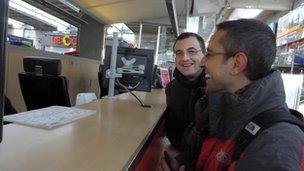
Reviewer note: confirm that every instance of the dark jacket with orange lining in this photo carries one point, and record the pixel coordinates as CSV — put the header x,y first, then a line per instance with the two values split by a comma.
x,y
279,147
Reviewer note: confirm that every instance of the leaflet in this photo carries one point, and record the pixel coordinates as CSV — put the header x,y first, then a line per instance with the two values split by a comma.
x,y
50,117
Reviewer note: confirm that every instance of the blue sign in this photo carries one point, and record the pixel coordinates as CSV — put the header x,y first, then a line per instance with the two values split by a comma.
x,y
20,41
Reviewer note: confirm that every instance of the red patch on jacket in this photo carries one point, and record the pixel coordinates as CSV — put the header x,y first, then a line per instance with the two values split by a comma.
x,y
215,154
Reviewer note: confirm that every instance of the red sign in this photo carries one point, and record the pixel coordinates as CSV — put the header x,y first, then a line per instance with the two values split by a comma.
x,y
165,77
65,40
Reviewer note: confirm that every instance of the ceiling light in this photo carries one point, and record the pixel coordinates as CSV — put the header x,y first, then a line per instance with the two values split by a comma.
x,y
244,13
192,24
251,13
69,4
15,24
38,14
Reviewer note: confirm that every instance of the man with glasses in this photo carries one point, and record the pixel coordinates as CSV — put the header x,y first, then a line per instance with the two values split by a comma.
x,y
241,87
185,89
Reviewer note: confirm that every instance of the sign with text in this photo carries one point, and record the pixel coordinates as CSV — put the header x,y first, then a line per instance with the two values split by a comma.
x,y
291,26
15,40
66,40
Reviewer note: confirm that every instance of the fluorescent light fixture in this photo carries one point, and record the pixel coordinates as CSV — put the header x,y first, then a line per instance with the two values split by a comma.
x,y
38,14
69,4
251,13
15,24
192,24
244,13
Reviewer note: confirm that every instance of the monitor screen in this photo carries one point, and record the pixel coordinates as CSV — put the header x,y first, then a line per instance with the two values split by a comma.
x,y
135,65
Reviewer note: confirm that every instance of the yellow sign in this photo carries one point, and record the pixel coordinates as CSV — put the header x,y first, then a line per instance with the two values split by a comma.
x,y
65,40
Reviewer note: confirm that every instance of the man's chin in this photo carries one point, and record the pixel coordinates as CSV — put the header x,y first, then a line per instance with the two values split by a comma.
x,y
191,73
188,74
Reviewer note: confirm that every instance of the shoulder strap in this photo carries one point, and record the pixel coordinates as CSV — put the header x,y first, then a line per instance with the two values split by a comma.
x,y
297,114
261,122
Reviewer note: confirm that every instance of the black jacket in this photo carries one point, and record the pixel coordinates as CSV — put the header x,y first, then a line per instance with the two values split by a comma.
x,y
182,95
279,147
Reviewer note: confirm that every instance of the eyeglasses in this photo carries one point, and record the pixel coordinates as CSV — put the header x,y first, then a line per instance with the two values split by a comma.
x,y
190,52
209,54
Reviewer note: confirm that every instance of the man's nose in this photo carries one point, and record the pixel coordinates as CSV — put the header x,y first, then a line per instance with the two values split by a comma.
x,y
203,62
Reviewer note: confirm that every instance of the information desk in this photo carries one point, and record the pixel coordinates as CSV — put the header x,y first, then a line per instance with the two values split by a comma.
x,y
109,140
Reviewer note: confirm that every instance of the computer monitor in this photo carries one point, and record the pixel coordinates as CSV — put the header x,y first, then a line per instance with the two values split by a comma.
x,y
135,65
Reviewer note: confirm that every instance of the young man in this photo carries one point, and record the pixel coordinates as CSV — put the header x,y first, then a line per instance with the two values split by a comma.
x,y
238,73
185,89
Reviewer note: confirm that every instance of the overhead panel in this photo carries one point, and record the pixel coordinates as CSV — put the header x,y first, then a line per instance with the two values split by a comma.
x,y
97,3
280,5
126,11
148,28
39,25
57,9
160,21
117,11
203,7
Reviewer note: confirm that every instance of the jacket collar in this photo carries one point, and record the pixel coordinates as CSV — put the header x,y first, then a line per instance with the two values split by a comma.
x,y
230,111
198,82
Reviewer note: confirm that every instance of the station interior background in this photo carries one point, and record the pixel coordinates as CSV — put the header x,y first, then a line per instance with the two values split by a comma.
x,y
82,28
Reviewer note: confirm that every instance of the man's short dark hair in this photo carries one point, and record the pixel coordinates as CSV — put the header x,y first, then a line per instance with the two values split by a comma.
x,y
186,35
255,39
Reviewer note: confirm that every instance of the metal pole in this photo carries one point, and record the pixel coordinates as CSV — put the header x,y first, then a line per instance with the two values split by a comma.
x,y
139,36
3,26
173,16
187,13
292,62
157,45
113,65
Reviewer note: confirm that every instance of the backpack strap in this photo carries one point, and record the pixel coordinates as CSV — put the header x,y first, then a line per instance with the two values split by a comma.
x,y
297,114
261,122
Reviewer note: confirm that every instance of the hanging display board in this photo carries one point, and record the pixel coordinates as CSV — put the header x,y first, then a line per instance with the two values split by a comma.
x,y
291,26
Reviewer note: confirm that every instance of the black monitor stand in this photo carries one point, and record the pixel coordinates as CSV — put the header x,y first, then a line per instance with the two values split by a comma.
x,y
3,25
124,87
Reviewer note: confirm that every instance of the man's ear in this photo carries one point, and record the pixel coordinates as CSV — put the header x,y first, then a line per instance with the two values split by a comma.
x,y
239,63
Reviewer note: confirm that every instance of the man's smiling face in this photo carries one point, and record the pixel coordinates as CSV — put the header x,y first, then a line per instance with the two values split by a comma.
x,y
188,55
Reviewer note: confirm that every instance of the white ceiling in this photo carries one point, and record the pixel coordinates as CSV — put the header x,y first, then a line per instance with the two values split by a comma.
x,y
117,11
203,7
280,5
